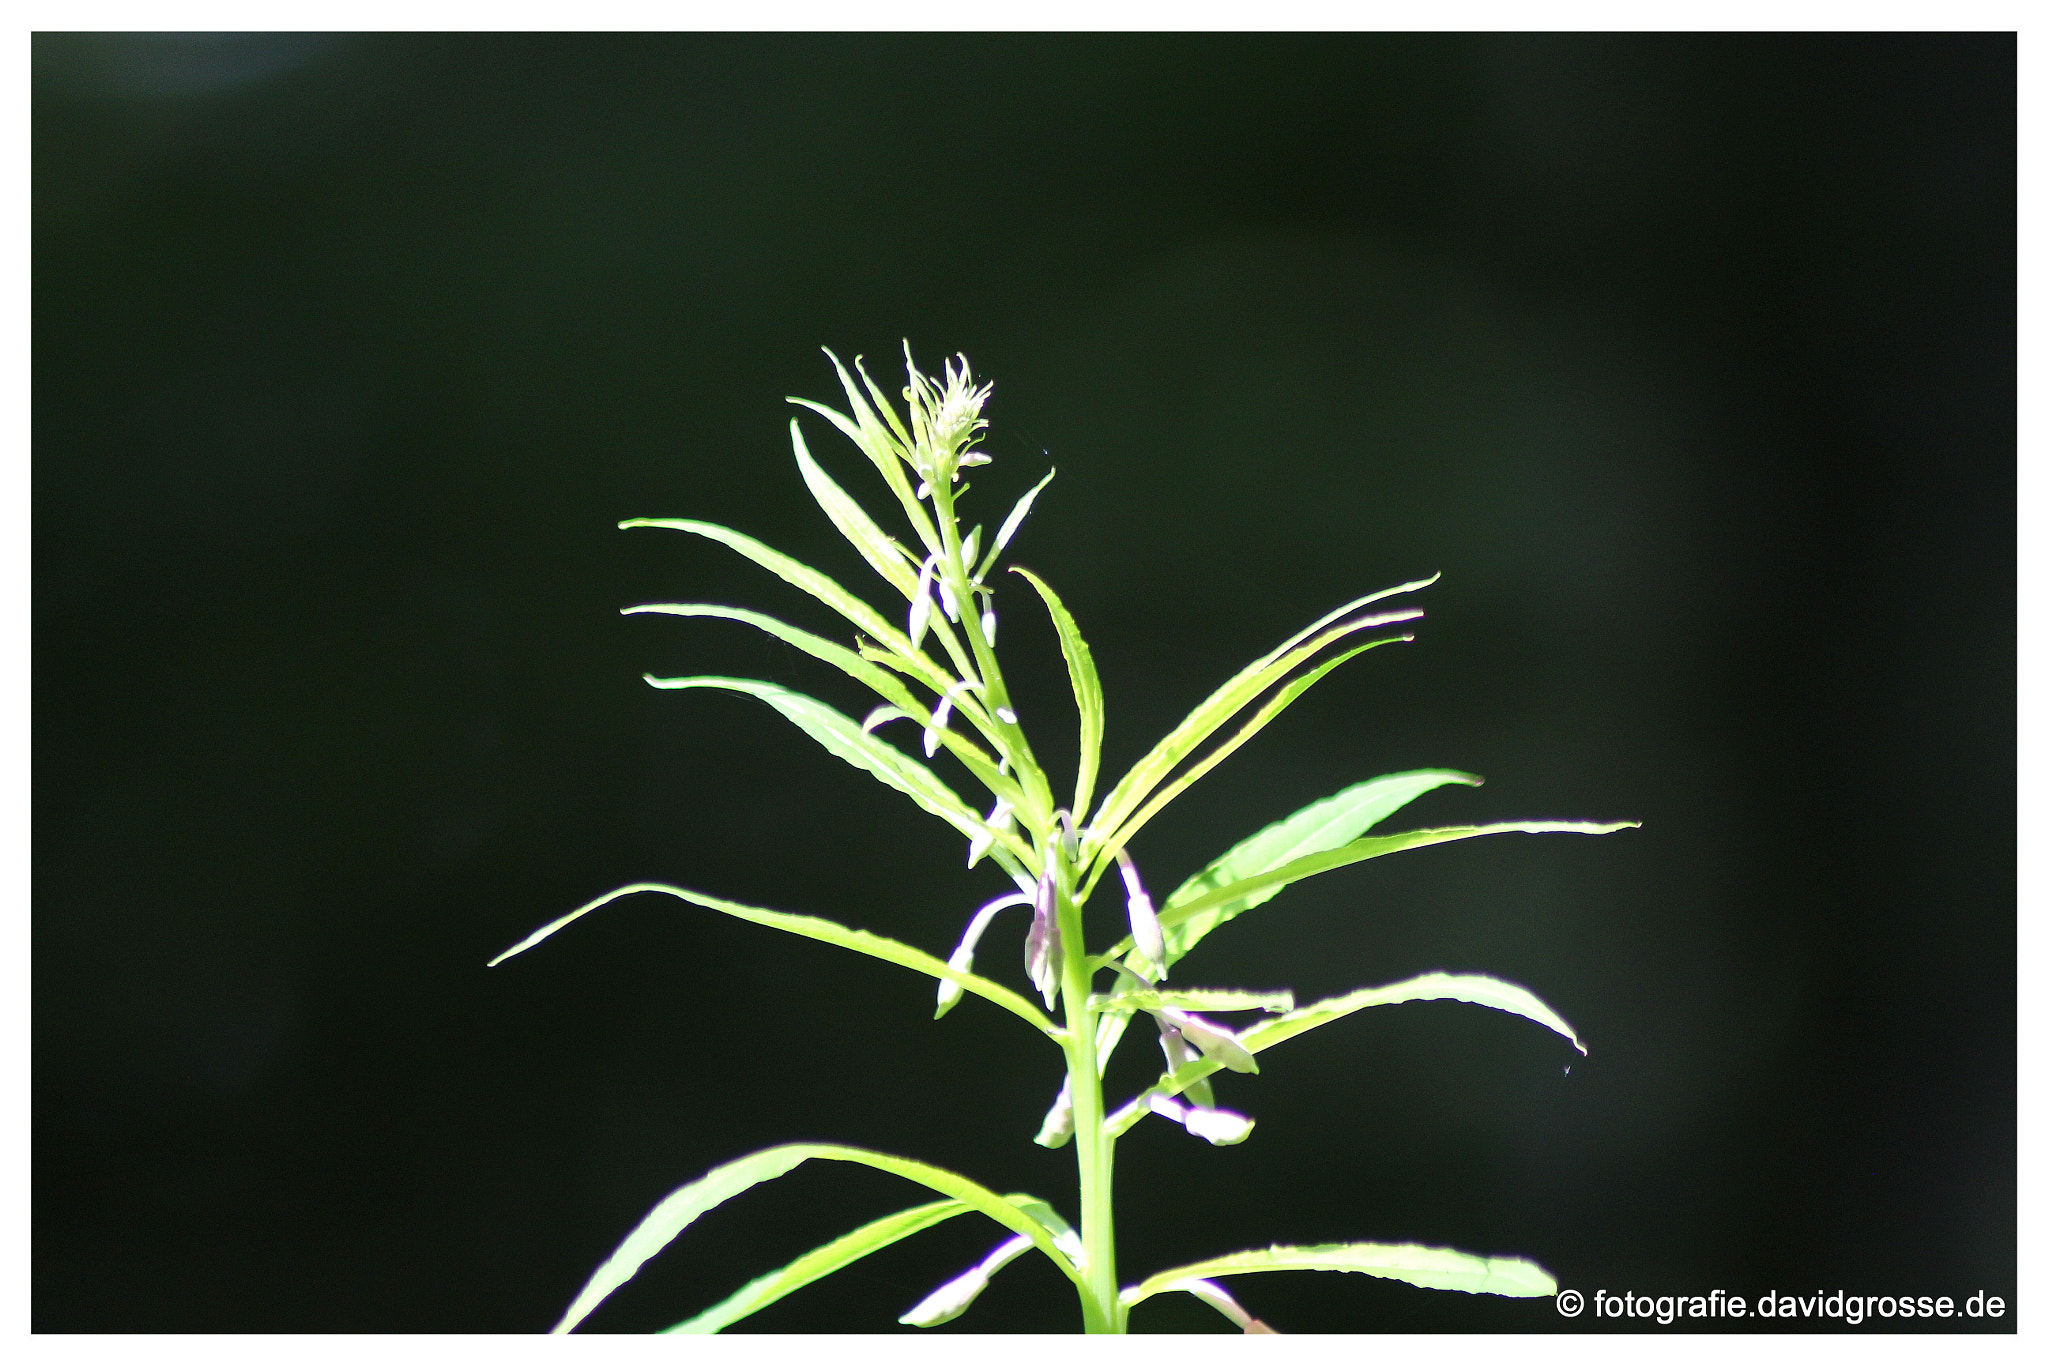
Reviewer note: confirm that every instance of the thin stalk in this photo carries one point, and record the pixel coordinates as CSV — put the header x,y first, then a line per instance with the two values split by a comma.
x,y
995,693
1094,1146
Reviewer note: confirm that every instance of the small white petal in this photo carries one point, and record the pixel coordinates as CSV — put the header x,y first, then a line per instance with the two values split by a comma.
x,y
948,601
953,1298
1058,1127
1213,1294
1000,817
921,607
939,718
1167,1109
988,626
1145,933
1006,715
1220,1127
949,1300
923,489
969,546
949,991
963,955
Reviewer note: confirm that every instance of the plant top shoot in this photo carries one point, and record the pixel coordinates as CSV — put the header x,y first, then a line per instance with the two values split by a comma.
x,y
931,662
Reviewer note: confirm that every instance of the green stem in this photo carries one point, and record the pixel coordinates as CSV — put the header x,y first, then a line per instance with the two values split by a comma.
x,y
1094,1146
1029,774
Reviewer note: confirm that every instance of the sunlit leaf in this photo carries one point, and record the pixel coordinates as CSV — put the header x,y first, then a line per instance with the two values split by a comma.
x,y
1429,1267
1470,988
853,522
885,446
843,738
823,930
800,575
1010,525
1248,685
1245,889
818,647
682,1208
1273,1002
1087,689
1315,828
1261,718
815,1265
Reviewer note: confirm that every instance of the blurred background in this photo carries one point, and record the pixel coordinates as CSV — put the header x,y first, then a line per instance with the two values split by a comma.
x,y
1688,361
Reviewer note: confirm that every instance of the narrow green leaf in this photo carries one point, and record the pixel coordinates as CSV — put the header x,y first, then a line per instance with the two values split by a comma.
x,y
1087,689
1059,1229
1273,1002
823,930
1226,701
853,522
882,403
1429,1267
862,669
887,452
816,1265
1011,523
671,1216
1472,988
1279,702
848,427
817,646
1357,851
800,575
1315,828
842,737
682,1208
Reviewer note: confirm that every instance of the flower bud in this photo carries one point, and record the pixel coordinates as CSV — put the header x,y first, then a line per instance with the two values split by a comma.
x,y
1042,944
1218,1127
1145,931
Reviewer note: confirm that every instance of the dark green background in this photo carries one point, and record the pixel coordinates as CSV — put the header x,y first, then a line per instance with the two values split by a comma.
x,y
1688,361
